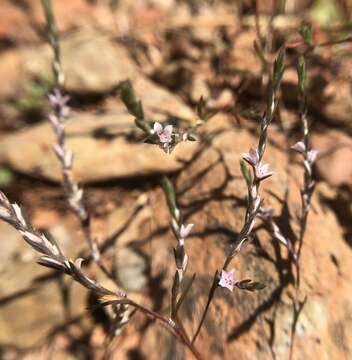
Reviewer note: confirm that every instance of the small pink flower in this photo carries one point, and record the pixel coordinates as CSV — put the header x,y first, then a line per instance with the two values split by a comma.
x,y
262,171
227,279
164,134
58,101
185,230
299,147
312,156
5,213
252,157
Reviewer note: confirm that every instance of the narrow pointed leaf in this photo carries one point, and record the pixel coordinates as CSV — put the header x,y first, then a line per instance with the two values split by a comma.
x,y
302,75
184,293
246,173
170,193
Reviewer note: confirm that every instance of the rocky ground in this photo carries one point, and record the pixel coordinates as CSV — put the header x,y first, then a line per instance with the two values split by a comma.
x,y
174,52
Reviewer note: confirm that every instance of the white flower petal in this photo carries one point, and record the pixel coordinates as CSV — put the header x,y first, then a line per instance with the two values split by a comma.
x,y
158,128
185,230
299,146
168,130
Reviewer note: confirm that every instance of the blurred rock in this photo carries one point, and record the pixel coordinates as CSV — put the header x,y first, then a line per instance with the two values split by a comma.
x,y
92,62
86,13
15,26
334,164
199,88
163,4
332,98
105,146
224,100
40,306
11,245
23,20
131,269
125,226
291,6
243,57
11,64
31,309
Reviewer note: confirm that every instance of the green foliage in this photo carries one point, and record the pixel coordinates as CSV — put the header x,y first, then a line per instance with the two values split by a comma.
x,y
184,293
246,173
6,176
128,97
327,12
202,112
250,285
252,114
170,194
302,74
34,95
306,32
279,66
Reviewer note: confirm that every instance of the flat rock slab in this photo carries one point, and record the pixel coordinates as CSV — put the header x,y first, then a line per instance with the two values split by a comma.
x,y
91,61
103,149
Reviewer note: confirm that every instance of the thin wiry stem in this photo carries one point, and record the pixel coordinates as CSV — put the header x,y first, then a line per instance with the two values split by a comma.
x,y
309,157
60,112
181,232
254,157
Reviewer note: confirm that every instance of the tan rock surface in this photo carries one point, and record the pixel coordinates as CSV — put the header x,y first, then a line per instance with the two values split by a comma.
x,y
335,163
103,150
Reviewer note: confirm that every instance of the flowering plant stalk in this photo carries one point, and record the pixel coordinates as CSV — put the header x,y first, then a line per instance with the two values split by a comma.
x,y
60,113
181,232
156,135
295,248
309,157
260,171
74,193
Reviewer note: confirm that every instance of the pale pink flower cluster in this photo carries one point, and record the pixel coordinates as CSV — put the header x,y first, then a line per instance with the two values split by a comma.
x,y
59,103
185,230
164,134
312,155
261,170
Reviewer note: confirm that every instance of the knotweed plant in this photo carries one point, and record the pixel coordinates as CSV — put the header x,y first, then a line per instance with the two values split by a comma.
x,y
254,169
167,138
309,156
